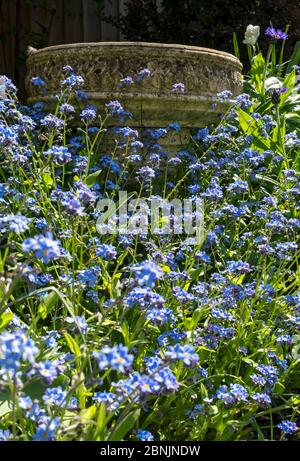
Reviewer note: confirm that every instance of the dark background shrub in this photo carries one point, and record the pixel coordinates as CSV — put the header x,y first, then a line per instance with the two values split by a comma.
x,y
208,23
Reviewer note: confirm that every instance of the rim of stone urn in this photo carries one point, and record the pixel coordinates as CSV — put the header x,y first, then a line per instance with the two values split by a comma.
x,y
169,48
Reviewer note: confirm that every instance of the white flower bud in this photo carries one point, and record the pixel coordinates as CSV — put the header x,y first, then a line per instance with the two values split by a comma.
x,y
251,35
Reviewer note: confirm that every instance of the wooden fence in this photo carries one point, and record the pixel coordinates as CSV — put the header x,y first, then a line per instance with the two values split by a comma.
x,y
41,23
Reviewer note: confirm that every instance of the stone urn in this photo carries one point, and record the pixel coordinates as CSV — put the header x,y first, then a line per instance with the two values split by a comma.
x,y
204,73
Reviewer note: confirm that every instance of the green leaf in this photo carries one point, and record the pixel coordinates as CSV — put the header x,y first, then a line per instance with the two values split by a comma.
x,y
87,415
257,71
47,304
273,55
196,273
295,58
279,388
236,45
101,418
165,268
72,344
47,178
289,82
125,426
188,323
238,280
246,121
92,178
198,314
125,331
5,407
213,410
251,128
225,432
5,318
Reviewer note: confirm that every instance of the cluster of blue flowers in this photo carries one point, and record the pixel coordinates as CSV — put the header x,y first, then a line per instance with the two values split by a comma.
x,y
115,358
182,338
44,247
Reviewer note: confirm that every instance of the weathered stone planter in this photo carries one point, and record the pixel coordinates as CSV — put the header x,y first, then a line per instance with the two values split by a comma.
x,y
204,72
